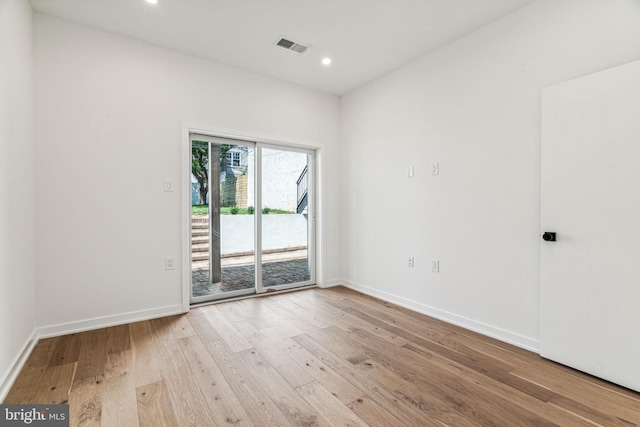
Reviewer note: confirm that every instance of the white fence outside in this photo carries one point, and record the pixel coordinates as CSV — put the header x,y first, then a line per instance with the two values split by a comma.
x,y
280,231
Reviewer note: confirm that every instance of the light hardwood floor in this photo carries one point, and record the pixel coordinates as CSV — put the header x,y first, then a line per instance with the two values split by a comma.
x,y
328,357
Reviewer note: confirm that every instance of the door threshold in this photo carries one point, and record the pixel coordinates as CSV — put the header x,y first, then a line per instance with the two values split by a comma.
x,y
272,292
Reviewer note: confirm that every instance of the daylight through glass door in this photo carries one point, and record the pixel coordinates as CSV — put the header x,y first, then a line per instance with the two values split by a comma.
x,y
223,238
246,196
287,218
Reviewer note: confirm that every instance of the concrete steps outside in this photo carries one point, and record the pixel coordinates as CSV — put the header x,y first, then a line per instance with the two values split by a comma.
x,y
200,248
199,238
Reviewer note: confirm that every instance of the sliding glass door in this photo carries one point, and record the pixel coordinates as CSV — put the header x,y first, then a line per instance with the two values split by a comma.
x,y
286,204
252,218
223,230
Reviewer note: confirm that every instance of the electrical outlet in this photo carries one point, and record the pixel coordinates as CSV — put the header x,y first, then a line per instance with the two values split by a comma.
x,y
435,265
169,263
410,262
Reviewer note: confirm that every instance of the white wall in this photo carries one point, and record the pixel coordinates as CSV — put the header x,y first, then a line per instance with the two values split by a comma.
x,y
109,113
17,224
474,107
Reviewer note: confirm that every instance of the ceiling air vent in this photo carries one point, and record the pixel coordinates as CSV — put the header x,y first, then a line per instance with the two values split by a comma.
x,y
293,46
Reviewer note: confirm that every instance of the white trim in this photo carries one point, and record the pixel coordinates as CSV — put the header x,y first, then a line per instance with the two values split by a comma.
x,y
464,322
320,253
212,139
257,217
204,131
17,365
312,209
333,282
186,219
108,321
285,147
210,214
236,135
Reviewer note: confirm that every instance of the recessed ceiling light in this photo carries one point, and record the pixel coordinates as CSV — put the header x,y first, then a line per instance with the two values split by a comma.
x,y
152,1
326,61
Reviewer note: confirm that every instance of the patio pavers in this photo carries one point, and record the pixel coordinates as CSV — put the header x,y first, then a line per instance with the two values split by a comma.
x,y
243,276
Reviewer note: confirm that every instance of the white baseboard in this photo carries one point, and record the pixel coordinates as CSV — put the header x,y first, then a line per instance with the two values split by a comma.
x,y
107,321
17,365
500,334
331,283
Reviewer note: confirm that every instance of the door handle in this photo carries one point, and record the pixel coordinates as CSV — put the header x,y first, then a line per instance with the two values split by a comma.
x,y
549,236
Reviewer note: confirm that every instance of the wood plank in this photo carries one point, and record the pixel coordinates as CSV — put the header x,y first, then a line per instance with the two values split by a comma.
x,y
66,351
468,399
289,317
519,396
594,402
146,363
268,319
119,407
318,357
326,403
344,320
85,402
474,360
232,311
161,330
181,326
29,378
272,351
386,317
227,331
339,387
154,406
203,327
290,403
257,311
373,413
118,339
54,385
393,395
225,406
93,354
446,399
287,303
190,406
260,408
394,314
40,357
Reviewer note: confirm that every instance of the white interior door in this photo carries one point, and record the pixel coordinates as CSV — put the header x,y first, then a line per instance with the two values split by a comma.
x,y
590,276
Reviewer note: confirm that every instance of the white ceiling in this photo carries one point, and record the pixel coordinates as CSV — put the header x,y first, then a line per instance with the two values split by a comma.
x,y
365,38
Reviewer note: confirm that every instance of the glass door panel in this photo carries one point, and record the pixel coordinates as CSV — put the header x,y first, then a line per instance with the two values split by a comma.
x,y
246,196
223,230
287,216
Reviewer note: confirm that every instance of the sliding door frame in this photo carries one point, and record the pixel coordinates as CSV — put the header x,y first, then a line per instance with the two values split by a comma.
x,y
311,228
258,144
218,140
